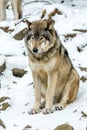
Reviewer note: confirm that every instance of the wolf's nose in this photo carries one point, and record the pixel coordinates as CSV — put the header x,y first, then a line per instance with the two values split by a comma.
x,y
35,50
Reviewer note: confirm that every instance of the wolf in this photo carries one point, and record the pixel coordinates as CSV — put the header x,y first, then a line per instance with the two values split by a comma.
x,y
17,9
55,79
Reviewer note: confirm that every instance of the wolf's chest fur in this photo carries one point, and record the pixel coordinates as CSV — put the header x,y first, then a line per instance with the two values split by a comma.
x,y
42,65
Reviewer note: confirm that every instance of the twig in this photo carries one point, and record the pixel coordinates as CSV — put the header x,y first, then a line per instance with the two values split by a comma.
x,y
70,35
31,83
55,11
43,13
40,1
22,20
80,30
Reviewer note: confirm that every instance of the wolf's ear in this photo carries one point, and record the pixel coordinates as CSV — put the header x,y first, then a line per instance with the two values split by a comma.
x,y
28,23
50,23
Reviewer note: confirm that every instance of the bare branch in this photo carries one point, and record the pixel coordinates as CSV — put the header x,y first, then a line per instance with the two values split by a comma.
x,y
80,30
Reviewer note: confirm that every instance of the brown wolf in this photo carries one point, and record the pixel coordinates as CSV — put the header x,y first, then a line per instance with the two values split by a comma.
x,y
17,9
54,76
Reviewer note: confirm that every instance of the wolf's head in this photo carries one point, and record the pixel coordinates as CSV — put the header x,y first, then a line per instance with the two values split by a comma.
x,y
41,36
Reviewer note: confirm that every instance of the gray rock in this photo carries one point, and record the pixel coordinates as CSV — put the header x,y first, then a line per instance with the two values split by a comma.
x,y
2,124
2,67
20,35
64,127
18,72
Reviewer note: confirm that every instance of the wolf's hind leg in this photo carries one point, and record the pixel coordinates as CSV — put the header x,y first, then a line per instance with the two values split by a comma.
x,y
2,10
17,9
70,91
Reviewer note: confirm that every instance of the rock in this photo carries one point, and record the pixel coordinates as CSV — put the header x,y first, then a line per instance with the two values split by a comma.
x,y
7,29
18,72
83,79
27,127
4,103
83,114
20,35
64,127
2,65
79,49
2,99
83,69
2,124
4,106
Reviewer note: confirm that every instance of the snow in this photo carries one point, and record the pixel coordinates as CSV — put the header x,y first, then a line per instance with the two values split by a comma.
x,y
21,90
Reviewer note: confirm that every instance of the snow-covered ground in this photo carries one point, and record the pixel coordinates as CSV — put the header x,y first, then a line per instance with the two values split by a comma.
x,y
19,92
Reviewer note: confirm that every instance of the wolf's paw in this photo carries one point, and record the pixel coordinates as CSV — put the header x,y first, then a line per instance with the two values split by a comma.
x,y
48,111
59,106
34,111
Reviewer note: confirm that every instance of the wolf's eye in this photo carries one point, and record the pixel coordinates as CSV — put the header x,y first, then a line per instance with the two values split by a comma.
x,y
31,37
51,31
41,38
46,36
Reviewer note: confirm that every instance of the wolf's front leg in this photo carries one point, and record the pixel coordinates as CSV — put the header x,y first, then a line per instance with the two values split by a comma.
x,y
37,104
52,80
70,91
